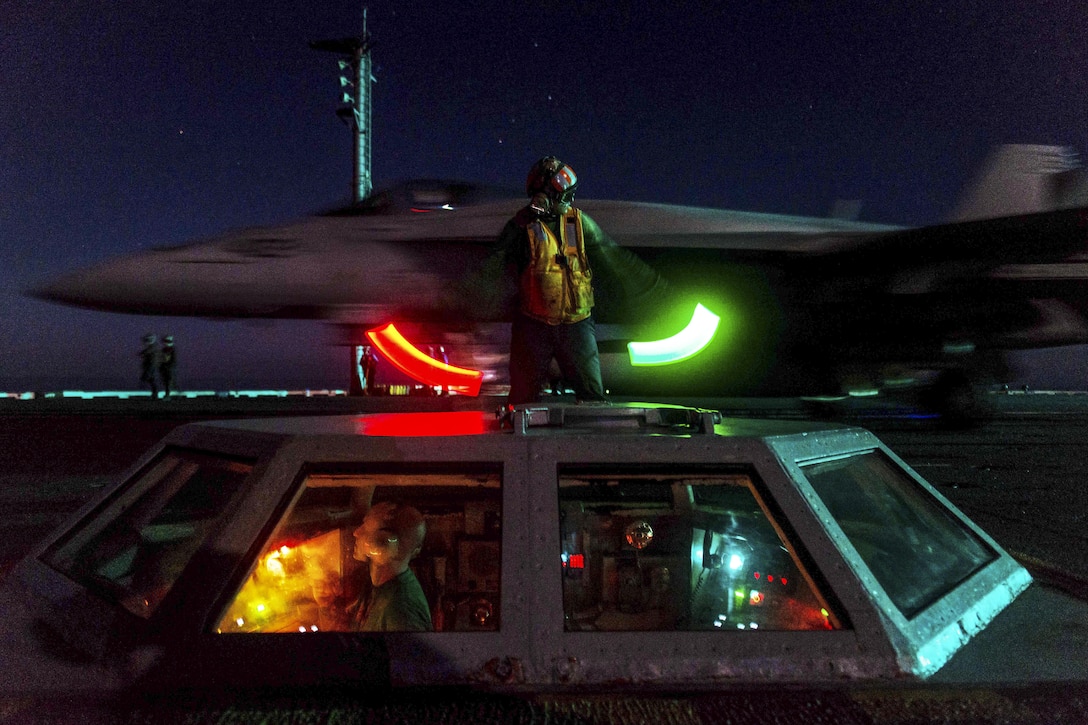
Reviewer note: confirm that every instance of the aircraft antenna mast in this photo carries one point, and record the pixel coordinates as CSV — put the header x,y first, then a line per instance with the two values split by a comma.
x,y
355,80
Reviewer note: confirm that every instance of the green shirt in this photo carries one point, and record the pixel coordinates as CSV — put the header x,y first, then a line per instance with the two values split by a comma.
x,y
399,605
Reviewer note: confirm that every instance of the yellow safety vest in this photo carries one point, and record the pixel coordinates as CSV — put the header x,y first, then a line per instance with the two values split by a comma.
x,y
557,284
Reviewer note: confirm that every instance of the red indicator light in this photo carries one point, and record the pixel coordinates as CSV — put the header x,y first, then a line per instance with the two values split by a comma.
x,y
577,561
783,580
770,577
413,363
757,575
457,423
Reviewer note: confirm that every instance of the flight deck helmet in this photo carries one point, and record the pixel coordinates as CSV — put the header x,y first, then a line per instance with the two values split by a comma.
x,y
551,185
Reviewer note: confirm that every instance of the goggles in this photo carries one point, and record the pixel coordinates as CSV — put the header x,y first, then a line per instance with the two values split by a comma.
x,y
564,179
381,542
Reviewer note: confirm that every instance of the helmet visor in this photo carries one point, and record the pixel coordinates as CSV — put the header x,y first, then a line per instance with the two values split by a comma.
x,y
564,179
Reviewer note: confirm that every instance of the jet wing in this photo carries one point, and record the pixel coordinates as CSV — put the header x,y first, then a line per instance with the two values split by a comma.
x,y
800,299
924,294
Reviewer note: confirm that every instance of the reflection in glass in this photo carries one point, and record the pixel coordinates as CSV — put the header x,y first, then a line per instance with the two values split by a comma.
x,y
674,552
914,546
135,548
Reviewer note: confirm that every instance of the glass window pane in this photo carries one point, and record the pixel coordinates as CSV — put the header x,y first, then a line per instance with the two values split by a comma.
x,y
135,548
914,546
672,552
412,551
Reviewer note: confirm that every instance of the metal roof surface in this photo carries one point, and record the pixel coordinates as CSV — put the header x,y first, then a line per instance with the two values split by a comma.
x,y
795,471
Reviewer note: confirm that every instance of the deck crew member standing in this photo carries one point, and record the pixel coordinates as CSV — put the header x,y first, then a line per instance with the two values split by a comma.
x,y
554,248
149,364
168,366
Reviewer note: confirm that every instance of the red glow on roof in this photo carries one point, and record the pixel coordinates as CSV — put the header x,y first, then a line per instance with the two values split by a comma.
x,y
413,363
459,423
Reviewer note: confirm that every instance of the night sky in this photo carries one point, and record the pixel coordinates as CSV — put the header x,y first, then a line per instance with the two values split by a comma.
x,y
128,125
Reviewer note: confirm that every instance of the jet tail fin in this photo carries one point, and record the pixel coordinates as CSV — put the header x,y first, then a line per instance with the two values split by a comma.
x,y
1023,179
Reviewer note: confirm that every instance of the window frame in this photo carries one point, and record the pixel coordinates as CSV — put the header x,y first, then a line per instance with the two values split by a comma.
x,y
493,470
91,526
745,476
906,486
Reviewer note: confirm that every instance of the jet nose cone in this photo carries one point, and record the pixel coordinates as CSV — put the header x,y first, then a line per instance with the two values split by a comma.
x,y
68,289
159,283
102,287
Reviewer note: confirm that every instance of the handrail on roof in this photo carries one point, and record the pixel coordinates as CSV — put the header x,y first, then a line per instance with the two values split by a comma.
x,y
646,417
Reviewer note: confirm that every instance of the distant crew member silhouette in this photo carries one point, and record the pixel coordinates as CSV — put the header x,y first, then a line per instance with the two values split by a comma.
x,y
358,380
168,364
149,364
369,366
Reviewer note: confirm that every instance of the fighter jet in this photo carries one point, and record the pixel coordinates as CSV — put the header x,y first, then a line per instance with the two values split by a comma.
x,y
795,305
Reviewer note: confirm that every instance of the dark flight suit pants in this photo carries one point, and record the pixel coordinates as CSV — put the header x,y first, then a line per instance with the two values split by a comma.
x,y
533,344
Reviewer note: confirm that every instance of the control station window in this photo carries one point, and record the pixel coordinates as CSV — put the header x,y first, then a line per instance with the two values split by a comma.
x,y
134,548
914,545
647,552
404,551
